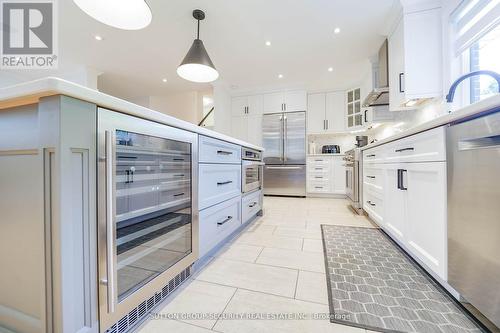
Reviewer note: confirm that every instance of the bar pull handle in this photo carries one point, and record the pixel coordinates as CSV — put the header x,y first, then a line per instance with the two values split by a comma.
x,y
492,141
371,177
224,183
179,194
401,176
253,204
224,152
371,155
110,225
229,218
404,149
285,137
401,82
370,203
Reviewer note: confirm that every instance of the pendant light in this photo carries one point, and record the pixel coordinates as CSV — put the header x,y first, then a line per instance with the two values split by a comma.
x,y
197,66
121,14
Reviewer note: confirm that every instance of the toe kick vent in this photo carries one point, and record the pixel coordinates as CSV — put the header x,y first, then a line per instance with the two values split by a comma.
x,y
136,315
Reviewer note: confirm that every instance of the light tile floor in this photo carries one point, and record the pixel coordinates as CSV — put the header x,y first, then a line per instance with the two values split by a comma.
x,y
275,266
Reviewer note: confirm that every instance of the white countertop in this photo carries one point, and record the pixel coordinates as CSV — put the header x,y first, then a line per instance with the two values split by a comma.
x,y
319,154
469,111
31,92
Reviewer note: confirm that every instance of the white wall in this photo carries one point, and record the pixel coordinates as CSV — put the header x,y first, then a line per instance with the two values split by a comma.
x,y
187,106
222,115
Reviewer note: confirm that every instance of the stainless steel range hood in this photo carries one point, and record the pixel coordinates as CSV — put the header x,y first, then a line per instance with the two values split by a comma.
x,y
380,94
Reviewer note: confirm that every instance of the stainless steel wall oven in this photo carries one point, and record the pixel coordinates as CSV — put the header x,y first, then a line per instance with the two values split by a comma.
x,y
147,210
252,172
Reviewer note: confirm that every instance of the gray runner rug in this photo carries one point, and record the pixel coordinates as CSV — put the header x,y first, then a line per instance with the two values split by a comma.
x,y
374,284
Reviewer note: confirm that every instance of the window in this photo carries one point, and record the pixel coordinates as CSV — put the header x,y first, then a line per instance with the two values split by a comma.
x,y
484,54
476,43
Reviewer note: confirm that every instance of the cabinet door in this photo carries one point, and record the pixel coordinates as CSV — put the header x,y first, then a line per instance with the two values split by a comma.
x,y
316,113
274,102
396,68
426,233
239,128
255,105
395,203
335,111
254,130
239,106
338,177
295,101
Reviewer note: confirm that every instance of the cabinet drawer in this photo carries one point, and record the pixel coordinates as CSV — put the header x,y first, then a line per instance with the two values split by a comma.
x,y
428,146
250,205
373,155
217,151
319,162
318,186
373,179
374,207
217,223
318,176
217,183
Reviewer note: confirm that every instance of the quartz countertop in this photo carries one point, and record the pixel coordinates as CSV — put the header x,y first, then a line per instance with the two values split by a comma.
x,y
31,92
471,111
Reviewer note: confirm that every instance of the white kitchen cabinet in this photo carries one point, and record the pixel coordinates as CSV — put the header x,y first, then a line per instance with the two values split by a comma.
x,y
335,111
326,112
354,115
395,199
415,58
326,175
246,120
316,113
426,214
285,101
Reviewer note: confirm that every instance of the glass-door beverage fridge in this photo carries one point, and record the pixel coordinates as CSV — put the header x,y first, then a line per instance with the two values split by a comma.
x,y
147,214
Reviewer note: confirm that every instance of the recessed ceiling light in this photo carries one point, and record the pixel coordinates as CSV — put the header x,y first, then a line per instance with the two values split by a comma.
x,y
280,76
337,30
164,80
268,43
127,15
330,69
97,37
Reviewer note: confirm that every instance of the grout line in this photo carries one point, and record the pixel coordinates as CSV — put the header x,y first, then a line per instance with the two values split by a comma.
x,y
302,247
296,284
225,307
191,324
261,250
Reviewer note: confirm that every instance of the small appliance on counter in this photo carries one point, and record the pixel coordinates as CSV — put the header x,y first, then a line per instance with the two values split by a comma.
x,y
361,140
330,149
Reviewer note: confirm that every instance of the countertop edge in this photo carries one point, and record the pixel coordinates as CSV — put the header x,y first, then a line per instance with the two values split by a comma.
x,y
30,92
472,110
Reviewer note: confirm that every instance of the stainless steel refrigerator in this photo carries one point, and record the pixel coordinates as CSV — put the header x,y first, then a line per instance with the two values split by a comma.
x,y
284,140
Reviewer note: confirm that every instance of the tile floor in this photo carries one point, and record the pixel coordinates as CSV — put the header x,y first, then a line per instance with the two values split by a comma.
x,y
274,266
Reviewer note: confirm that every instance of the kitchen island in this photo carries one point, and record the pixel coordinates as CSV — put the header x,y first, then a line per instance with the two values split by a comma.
x,y
106,206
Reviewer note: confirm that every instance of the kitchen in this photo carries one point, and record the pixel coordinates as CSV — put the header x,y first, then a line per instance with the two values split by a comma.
x,y
316,167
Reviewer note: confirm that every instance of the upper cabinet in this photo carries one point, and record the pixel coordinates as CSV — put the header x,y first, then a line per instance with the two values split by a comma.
x,y
285,101
354,113
415,58
246,120
326,112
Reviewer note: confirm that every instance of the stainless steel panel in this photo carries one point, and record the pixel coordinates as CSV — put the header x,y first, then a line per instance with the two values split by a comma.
x,y
294,138
285,180
473,155
272,138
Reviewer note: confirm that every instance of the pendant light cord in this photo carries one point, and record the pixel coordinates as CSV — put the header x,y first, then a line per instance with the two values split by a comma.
x,y
198,32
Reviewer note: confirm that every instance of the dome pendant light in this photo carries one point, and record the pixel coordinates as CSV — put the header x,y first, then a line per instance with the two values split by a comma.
x,y
121,14
197,66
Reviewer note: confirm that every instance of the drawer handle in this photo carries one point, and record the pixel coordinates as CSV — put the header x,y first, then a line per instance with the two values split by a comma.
x,y
178,159
371,155
252,205
318,187
229,218
319,160
370,203
224,183
372,177
318,177
404,149
224,152
318,168
179,175
179,194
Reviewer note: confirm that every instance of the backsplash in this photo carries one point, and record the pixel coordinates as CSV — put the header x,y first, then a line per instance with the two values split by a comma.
x,y
345,141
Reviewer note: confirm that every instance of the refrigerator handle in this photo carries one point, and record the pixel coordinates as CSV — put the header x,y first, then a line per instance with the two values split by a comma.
x,y
285,136
281,138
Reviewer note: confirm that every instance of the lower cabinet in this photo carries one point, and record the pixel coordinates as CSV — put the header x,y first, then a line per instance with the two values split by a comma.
x,y
251,204
218,222
326,175
408,200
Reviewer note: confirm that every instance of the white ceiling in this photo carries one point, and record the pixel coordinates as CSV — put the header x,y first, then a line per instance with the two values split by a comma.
x,y
234,32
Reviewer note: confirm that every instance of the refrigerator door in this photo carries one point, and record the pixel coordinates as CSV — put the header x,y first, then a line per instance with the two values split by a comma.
x,y
285,180
272,135
294,138
473,159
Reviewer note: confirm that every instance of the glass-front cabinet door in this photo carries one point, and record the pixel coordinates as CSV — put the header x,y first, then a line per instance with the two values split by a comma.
x,y
146,209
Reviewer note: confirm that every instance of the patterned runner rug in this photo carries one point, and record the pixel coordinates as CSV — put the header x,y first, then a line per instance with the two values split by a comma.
x,y
375,285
